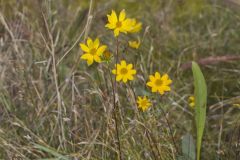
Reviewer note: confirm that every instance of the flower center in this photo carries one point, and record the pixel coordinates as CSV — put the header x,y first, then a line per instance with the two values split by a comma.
x,y
93,51
158,82
124,71
144,103
119,24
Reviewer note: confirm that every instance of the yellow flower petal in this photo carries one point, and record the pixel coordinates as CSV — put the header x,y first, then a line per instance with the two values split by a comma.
x,y
151,77
167,82
164,77
154,89
96,43
130,77
97,58
126,25
119,77
136,28
125,79
150,84
161,92
114,71
123,63
157,75
129,66
118,66
113,18
122,15
116,32
101,49
90,61
110,25
133,71
84,47
89,42
86,56
166,88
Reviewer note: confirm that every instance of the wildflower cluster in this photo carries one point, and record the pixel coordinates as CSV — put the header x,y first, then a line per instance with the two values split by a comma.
x,y
123,71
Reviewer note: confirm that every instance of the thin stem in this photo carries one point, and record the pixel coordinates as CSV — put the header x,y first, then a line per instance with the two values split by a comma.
x,y
114,111
115,115
114,89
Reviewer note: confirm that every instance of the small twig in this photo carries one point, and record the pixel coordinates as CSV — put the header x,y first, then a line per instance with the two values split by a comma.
x,y
211,60
114,90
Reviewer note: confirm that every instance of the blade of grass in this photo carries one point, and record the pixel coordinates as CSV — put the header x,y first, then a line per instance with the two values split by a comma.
x,y
200,94
51,151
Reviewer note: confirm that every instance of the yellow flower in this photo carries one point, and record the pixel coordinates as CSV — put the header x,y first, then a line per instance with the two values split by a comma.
x,y
134,44
92,51
143,103
135,26
124,71
121,24
159,83
191,101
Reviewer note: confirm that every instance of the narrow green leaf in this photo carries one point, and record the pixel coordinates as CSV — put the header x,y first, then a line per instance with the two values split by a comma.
x,y
200,94
188,147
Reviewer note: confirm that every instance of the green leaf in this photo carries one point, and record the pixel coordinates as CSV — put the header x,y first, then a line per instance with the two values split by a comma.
x,y
51,151
188,147
200,94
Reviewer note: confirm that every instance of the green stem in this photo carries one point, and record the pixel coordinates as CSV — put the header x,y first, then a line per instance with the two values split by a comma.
x,y
115,104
